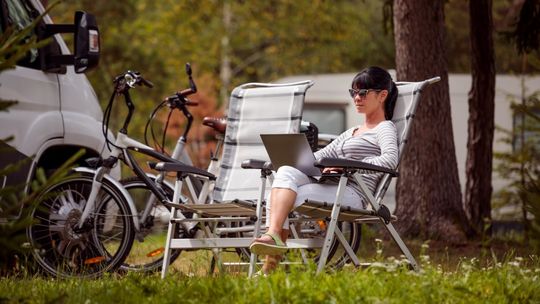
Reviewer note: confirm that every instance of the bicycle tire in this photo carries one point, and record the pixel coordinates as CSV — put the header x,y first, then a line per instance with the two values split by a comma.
x,y
63,249
335,260
148,250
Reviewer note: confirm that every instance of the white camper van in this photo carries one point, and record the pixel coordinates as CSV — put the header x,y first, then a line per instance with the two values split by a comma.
x,y
57,111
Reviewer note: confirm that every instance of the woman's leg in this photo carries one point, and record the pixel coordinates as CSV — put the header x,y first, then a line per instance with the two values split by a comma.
x,y
282,202
272,261
323,192
282,197
281,205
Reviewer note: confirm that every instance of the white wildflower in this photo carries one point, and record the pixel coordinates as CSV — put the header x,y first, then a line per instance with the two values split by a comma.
x,y
515,264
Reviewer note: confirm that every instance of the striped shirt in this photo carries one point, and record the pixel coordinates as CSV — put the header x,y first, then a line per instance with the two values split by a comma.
x,y
377,146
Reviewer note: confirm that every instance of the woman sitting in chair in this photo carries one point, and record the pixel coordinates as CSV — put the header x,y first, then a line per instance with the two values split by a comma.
x,y
375,142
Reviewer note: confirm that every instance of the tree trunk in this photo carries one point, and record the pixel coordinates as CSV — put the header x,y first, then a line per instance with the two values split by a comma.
x,y
428,192
481,117
225,68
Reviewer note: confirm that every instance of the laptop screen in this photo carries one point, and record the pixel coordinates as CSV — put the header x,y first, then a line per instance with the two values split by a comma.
x,y
290,150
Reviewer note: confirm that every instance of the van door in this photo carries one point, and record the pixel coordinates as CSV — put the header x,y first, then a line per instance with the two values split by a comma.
x,y
36,116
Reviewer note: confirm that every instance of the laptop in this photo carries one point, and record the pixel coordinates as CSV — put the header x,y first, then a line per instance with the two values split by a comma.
x,y
290,150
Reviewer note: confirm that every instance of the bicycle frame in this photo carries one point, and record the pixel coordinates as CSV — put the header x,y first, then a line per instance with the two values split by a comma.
x,y
121,150
180,154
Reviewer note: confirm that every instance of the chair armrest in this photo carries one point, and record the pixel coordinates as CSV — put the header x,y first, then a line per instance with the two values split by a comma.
x,y
352,164
256,164
252,164
264,166
180,168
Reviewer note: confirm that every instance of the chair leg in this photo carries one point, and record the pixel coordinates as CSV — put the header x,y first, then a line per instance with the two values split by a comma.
x,y
402,246
216,252
167,256
375,205
333,224
347,247
258,223
297,236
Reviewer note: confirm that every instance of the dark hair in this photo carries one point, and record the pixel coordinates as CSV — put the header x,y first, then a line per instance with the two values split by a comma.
x,y
378,78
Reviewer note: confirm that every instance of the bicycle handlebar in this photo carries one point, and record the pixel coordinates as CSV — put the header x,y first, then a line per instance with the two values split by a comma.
x,y
176,101
130,79
179,99
192,86
147,83
186,92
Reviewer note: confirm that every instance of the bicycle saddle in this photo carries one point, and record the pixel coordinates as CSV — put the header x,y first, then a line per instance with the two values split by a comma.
x,y
219,124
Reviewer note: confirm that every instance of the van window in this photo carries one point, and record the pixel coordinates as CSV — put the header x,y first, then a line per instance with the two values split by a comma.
x,y
19,16
328,119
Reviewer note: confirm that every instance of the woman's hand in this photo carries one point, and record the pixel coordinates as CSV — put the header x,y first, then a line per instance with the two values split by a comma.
x,y
332,170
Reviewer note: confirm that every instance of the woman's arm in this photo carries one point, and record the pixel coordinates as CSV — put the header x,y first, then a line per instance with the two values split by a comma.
x,y
330,149
387,140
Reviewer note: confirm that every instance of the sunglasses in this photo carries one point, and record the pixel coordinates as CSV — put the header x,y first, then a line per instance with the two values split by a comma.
x,y
362,92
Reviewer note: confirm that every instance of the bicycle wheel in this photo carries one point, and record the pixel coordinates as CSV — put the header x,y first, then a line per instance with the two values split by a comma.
x,y
337,257
148,249
64,249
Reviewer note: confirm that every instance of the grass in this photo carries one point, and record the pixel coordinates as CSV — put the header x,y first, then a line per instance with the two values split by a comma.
x,y
515,280
498,271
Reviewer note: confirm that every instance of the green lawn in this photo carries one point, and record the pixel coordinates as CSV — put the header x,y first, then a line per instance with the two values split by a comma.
x,y
516,280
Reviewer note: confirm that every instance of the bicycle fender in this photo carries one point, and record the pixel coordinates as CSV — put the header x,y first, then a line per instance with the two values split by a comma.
x,y
119,187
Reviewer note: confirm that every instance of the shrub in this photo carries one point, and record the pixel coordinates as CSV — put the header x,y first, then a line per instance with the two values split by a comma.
x,y
522,165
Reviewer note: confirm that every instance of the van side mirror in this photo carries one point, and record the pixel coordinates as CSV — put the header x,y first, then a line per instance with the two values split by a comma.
x,y
86,42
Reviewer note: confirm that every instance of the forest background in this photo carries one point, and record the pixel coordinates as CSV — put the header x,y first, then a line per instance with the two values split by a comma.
x,y
234,42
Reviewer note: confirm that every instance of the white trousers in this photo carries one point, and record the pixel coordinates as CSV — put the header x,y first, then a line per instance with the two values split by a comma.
x,y
291,178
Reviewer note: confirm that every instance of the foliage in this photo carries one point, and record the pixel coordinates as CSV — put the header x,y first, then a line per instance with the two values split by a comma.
x,y
522,165
267,41
15,44
19,201
526,33
513,281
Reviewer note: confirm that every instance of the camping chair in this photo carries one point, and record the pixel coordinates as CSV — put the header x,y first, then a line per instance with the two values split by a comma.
x,y
408,97
254,108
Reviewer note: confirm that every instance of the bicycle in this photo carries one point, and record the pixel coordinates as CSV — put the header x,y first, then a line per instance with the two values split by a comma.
x,y
86,224
147,252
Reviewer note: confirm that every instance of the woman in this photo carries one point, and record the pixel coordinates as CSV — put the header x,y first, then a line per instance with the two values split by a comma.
x,y
375,142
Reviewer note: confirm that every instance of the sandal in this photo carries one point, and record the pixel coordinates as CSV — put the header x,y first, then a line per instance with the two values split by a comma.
x,y
273,246
259,274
